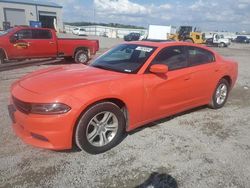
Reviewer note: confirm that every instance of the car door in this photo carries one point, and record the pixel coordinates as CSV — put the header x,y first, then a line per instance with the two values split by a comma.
x,y
166,94
42,43
33,43
20,47
204,73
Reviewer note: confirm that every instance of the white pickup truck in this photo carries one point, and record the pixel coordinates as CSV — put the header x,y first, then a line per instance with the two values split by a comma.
x,y
218,40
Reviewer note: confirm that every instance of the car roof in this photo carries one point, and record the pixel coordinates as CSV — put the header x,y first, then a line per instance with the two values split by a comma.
x,y
168,43
172,43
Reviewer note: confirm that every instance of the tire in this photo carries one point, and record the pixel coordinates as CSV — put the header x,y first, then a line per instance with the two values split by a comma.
x,y
222,45
189,40
220,94
81,56
103,122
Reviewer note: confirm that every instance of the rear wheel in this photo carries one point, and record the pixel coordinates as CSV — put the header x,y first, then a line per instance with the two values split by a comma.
x,y
220,94
100,128
81,56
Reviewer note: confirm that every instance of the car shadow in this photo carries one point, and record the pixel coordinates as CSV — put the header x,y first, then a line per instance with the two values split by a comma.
x,y
163,120
151,124
157,180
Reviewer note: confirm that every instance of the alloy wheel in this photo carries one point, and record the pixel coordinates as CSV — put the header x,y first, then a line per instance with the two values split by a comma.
x,y
221,93
102,128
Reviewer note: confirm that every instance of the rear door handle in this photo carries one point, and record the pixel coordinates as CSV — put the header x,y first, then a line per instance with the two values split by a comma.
x,y
187,78
51,42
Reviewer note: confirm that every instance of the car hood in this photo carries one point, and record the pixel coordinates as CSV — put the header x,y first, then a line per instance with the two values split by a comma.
x,y
66,78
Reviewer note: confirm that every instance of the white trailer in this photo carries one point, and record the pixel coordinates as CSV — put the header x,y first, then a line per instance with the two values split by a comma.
x,y
160,32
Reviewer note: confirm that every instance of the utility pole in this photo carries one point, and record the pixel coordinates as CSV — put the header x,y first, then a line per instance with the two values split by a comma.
x,y
94,16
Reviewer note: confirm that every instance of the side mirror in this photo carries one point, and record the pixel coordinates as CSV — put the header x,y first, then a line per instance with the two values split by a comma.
x,y
159,69
13,38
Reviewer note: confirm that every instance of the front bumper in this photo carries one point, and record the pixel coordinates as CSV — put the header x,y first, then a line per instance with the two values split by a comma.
x,y
45,131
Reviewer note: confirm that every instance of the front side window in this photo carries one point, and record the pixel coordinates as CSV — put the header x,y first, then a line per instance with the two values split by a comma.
x,y
174,57
127,58
198,56
24,34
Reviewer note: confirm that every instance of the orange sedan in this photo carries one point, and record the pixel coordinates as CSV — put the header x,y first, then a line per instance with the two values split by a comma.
x,y
128,86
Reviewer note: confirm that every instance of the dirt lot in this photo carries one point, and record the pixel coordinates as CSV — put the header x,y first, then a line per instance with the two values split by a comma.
x,y
200,148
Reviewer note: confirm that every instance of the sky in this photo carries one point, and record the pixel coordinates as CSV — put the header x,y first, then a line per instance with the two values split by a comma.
x,y
209,15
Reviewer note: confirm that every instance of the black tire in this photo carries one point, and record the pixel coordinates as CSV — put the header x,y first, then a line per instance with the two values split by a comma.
x,y
222,45
214,101
84,125
81,56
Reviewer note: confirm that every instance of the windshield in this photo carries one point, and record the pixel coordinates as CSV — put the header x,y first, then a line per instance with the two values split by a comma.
x,y
127,58
5,32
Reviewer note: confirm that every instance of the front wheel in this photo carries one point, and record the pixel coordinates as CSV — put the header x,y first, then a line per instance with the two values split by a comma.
x,y
81,56
100,128
222,45
220,94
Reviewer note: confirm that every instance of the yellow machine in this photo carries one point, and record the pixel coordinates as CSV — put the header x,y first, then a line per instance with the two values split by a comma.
x,y
186,33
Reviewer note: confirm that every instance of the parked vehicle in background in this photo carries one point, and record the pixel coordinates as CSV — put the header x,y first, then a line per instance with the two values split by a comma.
x,y
29,42
160,32
188,34
93,107
103,34
82,32
132,37
242,39
218,40
75,31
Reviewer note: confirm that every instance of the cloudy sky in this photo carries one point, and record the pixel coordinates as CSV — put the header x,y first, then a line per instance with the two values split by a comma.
x,y
230,15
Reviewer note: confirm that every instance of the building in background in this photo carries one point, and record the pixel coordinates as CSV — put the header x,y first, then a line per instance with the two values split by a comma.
x,y
30,12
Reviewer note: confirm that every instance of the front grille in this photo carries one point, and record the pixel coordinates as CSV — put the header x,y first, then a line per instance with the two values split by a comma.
x,y
22,106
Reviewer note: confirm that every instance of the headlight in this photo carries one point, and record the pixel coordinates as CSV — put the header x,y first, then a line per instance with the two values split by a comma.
x,y
49,108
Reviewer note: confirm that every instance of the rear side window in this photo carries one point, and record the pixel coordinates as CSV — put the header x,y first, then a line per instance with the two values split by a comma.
x,y
198,56
41,34
174,57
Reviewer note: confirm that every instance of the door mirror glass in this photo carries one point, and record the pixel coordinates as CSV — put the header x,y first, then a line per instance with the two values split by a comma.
x,y
159,69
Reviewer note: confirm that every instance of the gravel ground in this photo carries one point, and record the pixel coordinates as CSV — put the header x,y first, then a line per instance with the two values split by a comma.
x,y
199,148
